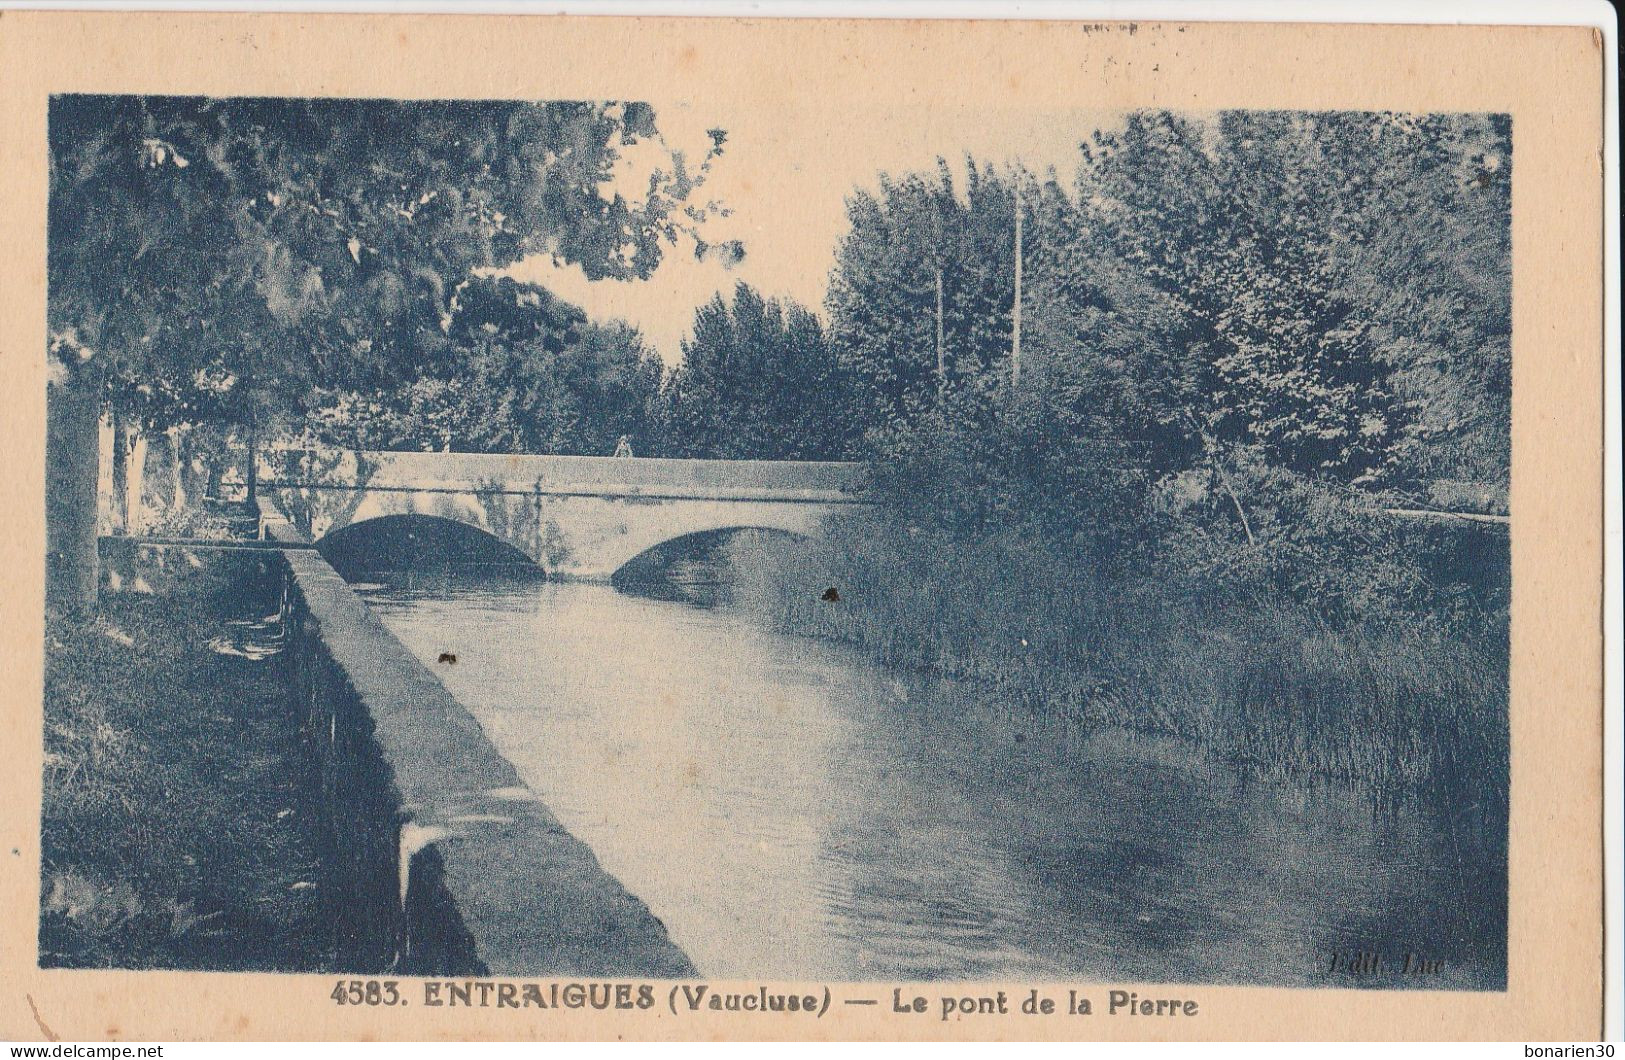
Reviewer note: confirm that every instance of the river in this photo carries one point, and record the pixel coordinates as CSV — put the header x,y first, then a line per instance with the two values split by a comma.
x,y
792,811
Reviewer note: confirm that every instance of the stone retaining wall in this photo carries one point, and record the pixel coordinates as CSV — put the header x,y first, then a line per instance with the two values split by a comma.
x,y
444,862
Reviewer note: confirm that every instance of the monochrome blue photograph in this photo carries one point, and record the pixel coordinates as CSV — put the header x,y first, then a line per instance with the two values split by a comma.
x,y
617,539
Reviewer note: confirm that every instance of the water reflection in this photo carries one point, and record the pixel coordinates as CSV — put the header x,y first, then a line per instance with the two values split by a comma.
x,y
791,811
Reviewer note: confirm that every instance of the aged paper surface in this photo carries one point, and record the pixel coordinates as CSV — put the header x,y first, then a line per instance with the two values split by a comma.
x,y
627,863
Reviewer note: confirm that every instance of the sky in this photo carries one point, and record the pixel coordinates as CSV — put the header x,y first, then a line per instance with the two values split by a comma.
x,y
787,168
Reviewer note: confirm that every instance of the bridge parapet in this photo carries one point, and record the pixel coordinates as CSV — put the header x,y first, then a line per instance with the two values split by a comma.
x,y
602,476
578,517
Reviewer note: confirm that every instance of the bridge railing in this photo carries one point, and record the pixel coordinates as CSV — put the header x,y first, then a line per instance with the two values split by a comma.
x,y
340,469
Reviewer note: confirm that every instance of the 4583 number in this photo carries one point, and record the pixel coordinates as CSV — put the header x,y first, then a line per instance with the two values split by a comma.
x,y
367,992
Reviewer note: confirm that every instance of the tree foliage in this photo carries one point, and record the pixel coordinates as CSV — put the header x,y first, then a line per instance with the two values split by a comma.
x,y
1308,267
217,249
1242,334
758,380
522,372
915,236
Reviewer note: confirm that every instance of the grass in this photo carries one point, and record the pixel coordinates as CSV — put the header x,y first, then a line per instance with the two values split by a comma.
x,y
177,829
1397,708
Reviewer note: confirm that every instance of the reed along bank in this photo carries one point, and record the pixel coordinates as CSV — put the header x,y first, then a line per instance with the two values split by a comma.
x,y
1340,682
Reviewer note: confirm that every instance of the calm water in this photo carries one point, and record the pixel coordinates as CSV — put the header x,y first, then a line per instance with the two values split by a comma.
x,y
790,810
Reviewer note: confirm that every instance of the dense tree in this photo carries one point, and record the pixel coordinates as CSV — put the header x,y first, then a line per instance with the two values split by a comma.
x,y
921,291
528,374
758,381
1236,329
614,381
517,314
521,371
1301,273
263,246
1328,287
1435,262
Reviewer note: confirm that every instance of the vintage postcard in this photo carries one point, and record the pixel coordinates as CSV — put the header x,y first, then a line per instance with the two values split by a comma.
x,y
535,527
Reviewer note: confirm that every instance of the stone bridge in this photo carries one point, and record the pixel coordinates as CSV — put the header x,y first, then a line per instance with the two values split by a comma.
x,y
579,517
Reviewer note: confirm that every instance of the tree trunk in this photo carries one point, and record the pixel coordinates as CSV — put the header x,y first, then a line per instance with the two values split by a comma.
x,y
121,473
175,438
1216,472
72,465
1216,464
193,470
135,481
252,474
104,473
213,484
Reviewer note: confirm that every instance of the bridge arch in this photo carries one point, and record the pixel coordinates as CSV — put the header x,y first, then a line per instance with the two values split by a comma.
x,y
414,541
694,544
637,529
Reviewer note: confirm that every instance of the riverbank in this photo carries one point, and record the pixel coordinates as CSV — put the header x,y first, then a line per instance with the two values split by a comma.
x,y
177,822
1396,709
